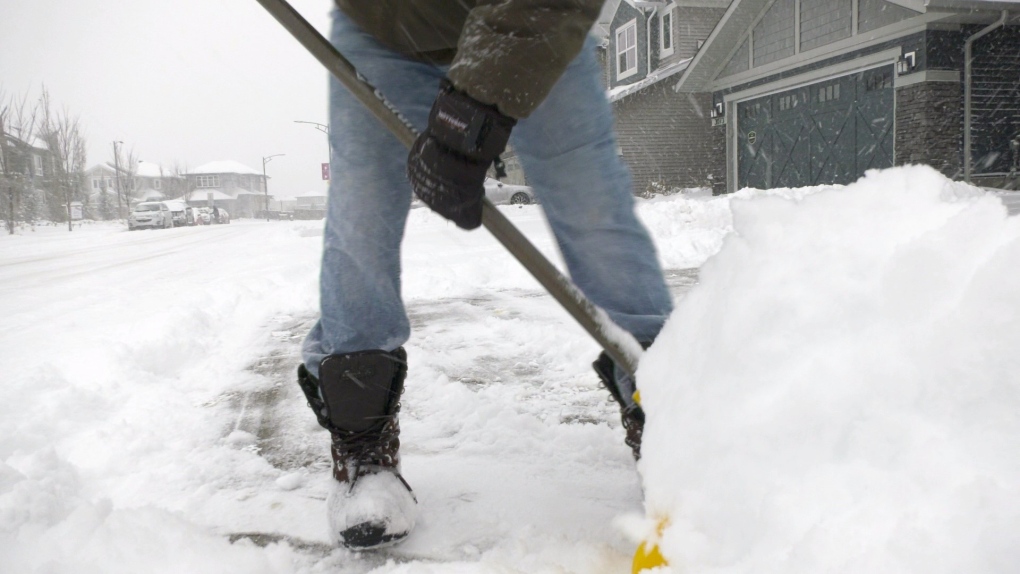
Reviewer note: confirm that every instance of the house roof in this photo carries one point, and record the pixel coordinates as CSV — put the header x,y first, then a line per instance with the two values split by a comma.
x,y
659,74
314,193
150,169
224,166
100,167
203,194
742,14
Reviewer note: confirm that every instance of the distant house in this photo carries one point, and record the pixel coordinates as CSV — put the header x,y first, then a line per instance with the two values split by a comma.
x,y
149,181
145,181
29,169
819,91
228,184
29,160
666,139
310,205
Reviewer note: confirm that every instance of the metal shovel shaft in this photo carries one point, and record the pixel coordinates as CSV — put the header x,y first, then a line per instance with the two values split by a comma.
x,y
618,344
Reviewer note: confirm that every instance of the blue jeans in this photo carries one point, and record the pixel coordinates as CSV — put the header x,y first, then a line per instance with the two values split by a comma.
x,y
568,151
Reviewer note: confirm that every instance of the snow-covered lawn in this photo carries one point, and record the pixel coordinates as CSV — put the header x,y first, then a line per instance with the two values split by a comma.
x,y
838,393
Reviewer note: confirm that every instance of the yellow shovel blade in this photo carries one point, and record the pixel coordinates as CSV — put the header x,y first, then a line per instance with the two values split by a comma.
x,y
648,555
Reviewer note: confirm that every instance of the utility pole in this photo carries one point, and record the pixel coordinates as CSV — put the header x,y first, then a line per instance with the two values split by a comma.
x,y
116,165
265,182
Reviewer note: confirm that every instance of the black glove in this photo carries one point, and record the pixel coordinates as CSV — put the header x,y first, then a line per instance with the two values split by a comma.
x,y
448,161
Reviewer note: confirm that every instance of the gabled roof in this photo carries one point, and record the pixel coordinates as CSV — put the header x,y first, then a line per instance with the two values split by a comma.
x,y
741,14
224,166
150,169
100,167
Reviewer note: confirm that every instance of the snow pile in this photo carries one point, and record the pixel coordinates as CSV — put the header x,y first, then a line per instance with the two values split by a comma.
x,y
840,391
689,228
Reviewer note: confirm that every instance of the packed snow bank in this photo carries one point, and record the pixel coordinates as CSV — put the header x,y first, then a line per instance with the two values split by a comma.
x,y
840,392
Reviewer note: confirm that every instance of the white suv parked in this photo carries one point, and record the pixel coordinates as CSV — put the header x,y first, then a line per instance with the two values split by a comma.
x,y
152,214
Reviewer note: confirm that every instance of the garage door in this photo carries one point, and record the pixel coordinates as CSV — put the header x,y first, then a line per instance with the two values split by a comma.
x,y
829,132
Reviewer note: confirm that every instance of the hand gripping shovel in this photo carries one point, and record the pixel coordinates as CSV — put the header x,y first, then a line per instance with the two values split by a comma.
x,y
618,344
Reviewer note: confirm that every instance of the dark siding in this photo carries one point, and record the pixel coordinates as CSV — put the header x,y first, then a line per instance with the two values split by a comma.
x,y
929,126
824,22
692,24
773,36
667,139
739,62
874,14
995,110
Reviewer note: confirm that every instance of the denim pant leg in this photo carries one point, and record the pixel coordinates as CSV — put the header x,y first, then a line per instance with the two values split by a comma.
x,y
568,150
369,198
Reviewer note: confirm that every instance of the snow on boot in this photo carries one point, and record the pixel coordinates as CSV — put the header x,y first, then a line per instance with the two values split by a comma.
x,y
621,387
357,398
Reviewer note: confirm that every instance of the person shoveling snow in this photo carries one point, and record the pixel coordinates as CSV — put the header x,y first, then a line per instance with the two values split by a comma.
x,y
520,72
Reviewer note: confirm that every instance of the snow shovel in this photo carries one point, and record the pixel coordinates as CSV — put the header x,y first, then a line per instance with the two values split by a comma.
x,y
618,344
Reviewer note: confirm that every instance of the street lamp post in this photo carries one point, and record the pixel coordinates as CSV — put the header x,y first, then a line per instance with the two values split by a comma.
x,y
116,164
265,181
324,129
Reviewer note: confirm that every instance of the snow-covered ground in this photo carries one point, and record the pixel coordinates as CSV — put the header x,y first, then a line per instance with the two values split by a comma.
x,y
836,392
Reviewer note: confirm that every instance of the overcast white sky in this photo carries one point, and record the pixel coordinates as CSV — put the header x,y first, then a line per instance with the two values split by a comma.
x,y
183,80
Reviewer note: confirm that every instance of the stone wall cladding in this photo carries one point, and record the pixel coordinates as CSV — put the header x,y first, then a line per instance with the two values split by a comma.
x,y
668,140
929,126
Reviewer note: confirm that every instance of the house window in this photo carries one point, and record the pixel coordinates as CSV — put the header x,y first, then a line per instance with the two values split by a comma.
x,y
157,184
37,160
626,50
208,181
666,33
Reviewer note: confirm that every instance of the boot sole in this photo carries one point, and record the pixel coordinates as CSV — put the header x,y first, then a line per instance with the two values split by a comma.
x,y
369,537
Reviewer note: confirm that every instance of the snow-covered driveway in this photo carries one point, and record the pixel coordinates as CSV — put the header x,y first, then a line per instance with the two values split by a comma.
x,y
149,414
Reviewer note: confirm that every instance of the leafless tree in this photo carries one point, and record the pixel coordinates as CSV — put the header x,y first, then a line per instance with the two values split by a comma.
x,y
126,167
180,187
65,139
18,124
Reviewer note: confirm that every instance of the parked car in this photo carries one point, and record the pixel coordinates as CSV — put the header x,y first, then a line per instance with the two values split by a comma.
x,y
150,214
500,193
203,216
221,215
181,212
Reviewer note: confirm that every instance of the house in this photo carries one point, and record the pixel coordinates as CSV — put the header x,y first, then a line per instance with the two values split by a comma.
x,y
144,181
666,139
228,184
819,91
149,181
311,205
27,171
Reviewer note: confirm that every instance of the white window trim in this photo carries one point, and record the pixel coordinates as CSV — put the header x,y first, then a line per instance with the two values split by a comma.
x,y
37,163
622,30
663,50
208,181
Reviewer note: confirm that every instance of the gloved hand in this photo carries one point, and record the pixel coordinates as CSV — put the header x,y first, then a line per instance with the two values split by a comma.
x,y
448,161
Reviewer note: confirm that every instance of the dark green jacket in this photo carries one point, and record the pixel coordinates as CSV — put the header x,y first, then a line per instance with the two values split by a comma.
x,y
503,52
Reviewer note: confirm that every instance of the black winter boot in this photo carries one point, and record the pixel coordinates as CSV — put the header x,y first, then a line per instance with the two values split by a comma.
x,y
357,398
631,415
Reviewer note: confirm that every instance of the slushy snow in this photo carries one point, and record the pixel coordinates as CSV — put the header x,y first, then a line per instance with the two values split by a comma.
x,y
837,393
